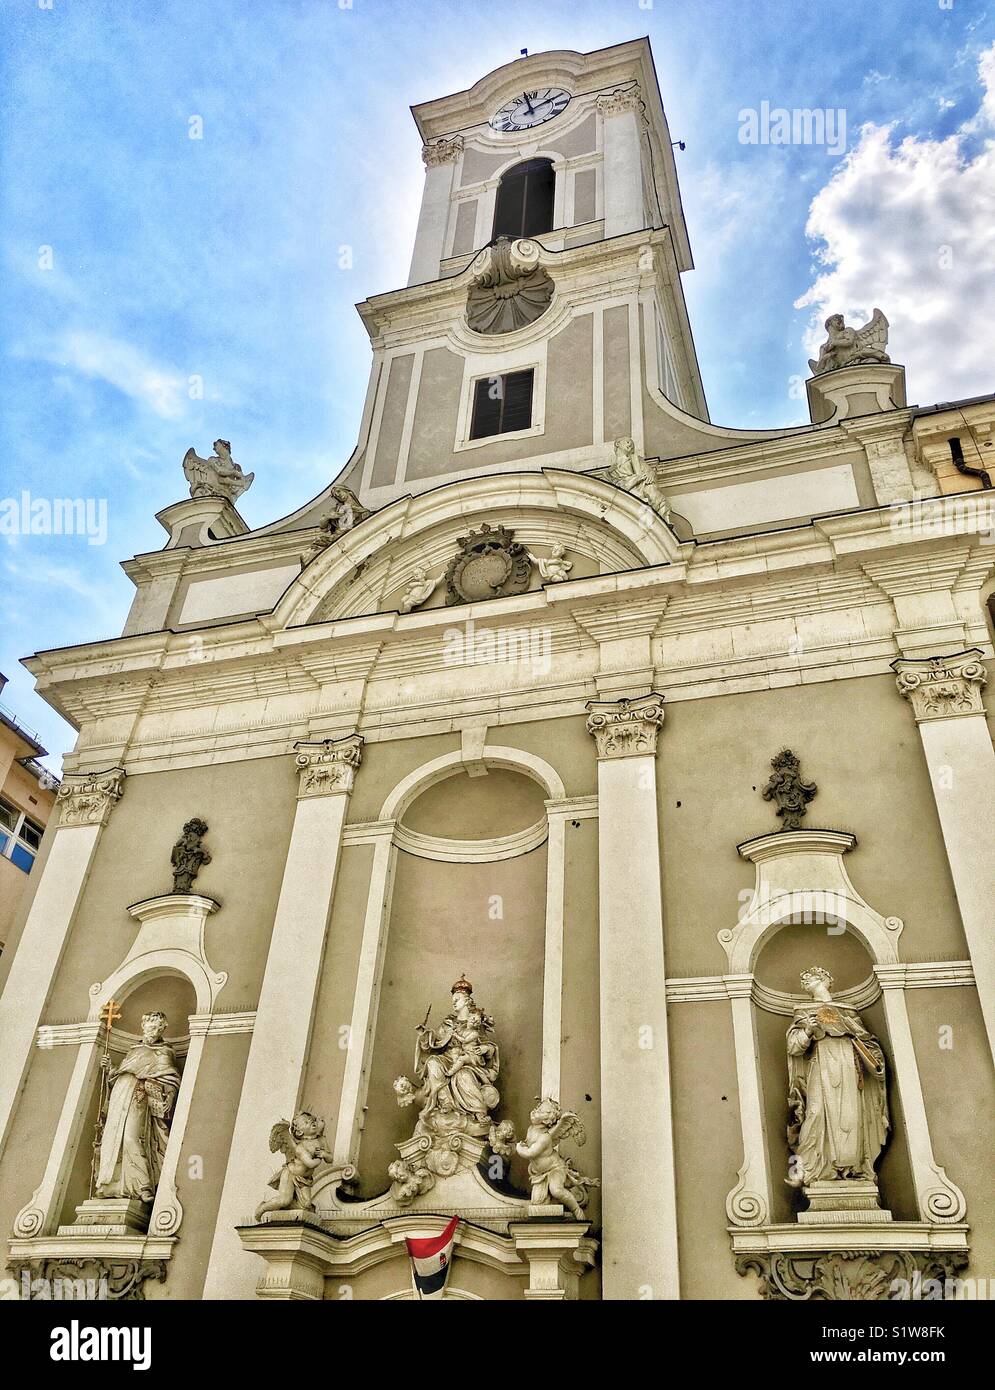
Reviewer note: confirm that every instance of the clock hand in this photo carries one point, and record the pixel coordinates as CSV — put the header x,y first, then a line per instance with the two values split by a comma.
x,y
525,98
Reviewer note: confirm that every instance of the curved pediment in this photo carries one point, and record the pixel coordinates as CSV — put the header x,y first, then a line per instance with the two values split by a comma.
x,y
569,525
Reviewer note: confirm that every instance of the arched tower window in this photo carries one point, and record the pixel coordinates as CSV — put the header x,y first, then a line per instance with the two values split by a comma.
x,y
524,205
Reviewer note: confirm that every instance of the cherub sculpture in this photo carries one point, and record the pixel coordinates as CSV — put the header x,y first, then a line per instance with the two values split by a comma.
x,y
344,512
848,347
218,476
554,567
421,587
553,1177
302,1144
408,1180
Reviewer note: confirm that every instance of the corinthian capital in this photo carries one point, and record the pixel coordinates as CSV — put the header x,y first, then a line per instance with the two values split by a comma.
x,y
941,687
87,798
617,103
329,766
626,728
442,151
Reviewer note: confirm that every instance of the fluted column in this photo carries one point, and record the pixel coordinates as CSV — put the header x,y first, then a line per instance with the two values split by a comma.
x,y
639,1208
945,693
85,802
622,113
430,239
278,1053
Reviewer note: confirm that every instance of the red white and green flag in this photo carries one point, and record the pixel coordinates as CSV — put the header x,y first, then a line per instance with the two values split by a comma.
x,y
430,1261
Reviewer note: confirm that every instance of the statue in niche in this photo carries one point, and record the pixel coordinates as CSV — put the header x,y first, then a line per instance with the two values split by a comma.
x,y
142,1094
218,476
302,1143
553,1177
837,1100
189,855
785,786
344,512
848,347
630,471
510,289
456,1067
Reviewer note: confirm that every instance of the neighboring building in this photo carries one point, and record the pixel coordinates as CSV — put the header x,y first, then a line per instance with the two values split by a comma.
x,y
27,795
414,732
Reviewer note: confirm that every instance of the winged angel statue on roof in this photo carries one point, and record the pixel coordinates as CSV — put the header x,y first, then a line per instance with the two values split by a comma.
x,y
848,347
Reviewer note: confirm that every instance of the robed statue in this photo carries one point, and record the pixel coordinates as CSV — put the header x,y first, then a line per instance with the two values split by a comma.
x,y
456,1065
836,1089
134,1134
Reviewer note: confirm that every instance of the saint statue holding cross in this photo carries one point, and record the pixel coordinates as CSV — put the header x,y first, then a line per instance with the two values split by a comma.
x,y
134,1133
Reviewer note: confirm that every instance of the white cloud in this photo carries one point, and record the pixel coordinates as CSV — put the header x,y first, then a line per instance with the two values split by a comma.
x,y
910,226
126,368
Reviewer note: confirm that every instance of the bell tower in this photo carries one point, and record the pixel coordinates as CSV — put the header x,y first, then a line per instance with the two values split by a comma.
x,y
543,316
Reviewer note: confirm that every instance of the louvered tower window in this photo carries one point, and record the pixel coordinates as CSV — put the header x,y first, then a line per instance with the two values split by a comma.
x,y
502,404
524,204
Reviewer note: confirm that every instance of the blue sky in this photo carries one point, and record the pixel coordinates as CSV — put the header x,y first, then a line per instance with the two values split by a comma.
x,y
221,258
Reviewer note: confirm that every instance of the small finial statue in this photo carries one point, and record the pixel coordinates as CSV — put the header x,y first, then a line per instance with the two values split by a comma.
x,y
302,1143
189,855
788,790
849,347
837,1102
218,476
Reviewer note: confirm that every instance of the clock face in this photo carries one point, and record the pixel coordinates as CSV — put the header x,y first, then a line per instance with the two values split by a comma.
x,y
531,109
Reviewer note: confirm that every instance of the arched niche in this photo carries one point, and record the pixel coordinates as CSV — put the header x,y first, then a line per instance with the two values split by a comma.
x,y
170,993
794,947
802,883
471,899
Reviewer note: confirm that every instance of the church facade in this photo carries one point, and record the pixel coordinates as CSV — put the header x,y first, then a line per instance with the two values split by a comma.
x,y
571,772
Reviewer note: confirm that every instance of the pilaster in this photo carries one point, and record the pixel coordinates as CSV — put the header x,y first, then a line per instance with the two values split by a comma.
x,y
85,801
622,114
278,1054
639,1210
440,158
945,693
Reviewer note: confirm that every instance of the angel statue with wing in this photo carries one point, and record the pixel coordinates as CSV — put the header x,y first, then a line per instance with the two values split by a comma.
x,y
217,476
553,1177
302,1143
849,347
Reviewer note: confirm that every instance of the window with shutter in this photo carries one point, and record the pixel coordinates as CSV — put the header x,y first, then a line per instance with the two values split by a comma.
x,y
502,404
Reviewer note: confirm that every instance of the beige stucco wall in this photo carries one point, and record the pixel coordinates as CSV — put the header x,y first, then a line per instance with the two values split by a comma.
x,y
856,739
858,742
959,1091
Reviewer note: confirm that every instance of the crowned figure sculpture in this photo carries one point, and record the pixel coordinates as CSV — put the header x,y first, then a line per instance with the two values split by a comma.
x,y
456,1067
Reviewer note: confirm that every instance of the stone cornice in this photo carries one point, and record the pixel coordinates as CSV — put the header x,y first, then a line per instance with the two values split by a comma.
x,y
841,565
943,687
